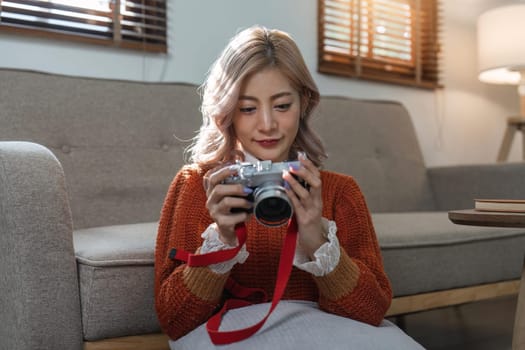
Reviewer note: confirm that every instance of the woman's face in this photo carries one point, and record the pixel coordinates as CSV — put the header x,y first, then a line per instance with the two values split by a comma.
x,y
266,118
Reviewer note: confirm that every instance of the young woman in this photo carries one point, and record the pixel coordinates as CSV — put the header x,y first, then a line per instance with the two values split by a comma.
x,y
256,105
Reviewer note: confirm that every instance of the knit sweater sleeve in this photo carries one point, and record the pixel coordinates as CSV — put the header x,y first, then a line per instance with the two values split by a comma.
x,y
185,297
358,287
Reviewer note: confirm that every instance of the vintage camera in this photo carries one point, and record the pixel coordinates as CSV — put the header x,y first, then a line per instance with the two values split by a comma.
x,y
271,205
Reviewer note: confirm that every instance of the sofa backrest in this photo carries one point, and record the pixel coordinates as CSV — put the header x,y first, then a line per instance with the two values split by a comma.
x,y
120,142
375,142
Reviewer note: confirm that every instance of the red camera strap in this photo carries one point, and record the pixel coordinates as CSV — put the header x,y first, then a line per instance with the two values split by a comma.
x,y
283,274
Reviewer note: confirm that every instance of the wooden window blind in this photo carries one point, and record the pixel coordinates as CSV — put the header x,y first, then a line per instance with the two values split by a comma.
x,y
133,24
395,41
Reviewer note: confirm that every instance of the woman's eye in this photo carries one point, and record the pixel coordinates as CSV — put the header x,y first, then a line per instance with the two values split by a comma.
x,y
247,109
283,106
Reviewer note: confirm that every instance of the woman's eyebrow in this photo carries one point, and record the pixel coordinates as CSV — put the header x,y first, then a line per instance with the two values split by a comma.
x,y
273,97
281,94
251,98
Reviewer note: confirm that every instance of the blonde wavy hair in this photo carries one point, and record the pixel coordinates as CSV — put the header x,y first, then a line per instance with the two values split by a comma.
x,y
252,50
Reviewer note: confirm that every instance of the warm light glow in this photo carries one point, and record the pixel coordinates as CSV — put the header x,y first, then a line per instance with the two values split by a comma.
x,y
501,44
500,76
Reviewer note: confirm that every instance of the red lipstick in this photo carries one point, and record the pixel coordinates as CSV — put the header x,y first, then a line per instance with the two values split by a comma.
x,y
267,143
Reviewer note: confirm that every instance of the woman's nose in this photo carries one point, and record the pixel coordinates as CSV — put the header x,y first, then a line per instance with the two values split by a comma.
x,y
267,121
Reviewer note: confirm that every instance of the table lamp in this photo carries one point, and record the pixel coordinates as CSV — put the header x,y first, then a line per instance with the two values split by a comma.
x,y
501,58
501,48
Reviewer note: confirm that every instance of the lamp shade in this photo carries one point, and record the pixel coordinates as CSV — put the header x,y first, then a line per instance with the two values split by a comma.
x,y
501,44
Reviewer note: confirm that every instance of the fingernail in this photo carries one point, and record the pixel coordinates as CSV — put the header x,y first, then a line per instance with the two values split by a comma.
x,y
301,155
294,166
247,190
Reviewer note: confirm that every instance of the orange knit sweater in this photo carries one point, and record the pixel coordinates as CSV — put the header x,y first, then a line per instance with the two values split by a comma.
x,y
186,297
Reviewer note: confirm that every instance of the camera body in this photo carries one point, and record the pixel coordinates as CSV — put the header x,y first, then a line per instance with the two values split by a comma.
x,y
271,205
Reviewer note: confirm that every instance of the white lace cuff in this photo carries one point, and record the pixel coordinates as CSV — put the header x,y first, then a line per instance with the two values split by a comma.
x,y
212,243
326,257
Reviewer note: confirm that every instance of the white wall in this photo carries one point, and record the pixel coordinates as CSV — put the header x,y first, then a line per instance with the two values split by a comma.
x,y
462,123
472,115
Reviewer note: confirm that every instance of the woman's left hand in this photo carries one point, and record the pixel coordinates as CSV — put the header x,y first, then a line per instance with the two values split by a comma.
x,y
307,204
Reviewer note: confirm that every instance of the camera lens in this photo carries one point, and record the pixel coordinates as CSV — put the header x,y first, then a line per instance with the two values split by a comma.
x,y
272,206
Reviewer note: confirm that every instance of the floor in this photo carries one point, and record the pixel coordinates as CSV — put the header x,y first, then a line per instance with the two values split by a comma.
x,y
485,325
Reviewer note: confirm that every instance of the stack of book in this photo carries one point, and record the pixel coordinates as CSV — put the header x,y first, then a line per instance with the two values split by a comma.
x,y
501,205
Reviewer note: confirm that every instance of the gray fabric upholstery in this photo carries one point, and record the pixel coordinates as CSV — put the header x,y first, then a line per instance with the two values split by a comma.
x,y
301,325
120,143
115,266
425,252
39,299
375,142
455,187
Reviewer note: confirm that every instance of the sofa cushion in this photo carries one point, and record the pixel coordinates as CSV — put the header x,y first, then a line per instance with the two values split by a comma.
x,y
120,142
375,142
115,266
425,252
301,325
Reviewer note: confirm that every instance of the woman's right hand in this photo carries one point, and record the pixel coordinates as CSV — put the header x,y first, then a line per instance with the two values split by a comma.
x,y
222,198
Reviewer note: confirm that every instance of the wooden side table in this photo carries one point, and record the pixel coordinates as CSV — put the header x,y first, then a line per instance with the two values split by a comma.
x,y
513,124
500,219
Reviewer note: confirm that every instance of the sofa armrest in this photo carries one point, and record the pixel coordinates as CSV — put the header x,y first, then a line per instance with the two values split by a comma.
x,y
39,295
456,187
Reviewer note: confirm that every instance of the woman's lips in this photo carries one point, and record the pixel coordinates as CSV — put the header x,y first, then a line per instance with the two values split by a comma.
x,y
267,143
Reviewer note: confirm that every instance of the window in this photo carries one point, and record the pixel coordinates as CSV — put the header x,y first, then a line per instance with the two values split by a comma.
x,y
395,41
134,24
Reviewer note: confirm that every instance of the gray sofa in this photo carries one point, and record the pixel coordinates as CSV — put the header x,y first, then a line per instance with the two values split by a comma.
x,y
85,165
